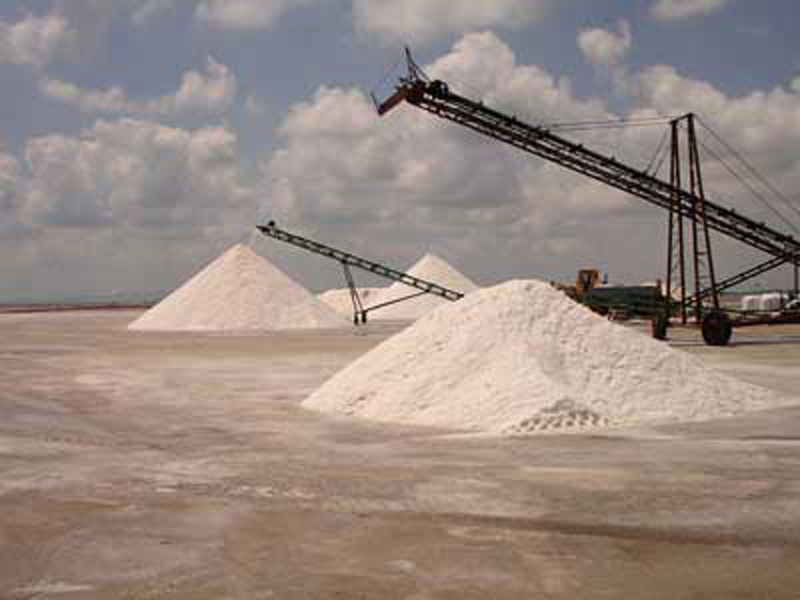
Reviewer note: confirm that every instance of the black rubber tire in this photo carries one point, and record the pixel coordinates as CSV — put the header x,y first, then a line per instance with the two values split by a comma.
x,y
659,326
717,328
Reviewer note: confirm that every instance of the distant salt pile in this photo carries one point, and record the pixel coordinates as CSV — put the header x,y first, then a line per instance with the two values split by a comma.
x,y
240,290
430,268
523,358
339,299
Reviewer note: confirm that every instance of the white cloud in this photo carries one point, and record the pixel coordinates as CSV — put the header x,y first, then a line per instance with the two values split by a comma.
x,y
124,205
605,48
10,193
425,20
407,20
673,10
211,91
148,10
134,175
488,66
9,180
245,15
35,40
112,100
12,221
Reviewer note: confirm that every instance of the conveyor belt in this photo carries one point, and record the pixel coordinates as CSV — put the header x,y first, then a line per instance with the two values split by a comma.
x,y
347,260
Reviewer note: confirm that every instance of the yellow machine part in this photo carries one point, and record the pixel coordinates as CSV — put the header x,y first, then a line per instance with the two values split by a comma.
x,y
587,280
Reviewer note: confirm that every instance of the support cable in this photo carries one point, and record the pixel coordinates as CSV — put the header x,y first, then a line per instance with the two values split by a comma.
x,y
661,149
765,201
749,166
607,124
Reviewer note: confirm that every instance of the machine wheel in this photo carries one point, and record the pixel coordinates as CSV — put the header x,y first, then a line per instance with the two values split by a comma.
x,y
659,327
717,328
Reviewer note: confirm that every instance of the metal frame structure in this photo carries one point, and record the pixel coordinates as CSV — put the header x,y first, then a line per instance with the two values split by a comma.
x,y
702,256
348,260
676,251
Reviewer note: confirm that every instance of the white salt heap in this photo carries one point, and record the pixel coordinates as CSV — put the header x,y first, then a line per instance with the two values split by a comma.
x,y
339,299
522,357
430,268
240,290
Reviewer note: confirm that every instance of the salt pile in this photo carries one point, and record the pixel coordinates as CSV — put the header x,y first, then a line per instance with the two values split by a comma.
x,y
522,358
240,290
430,268
339,299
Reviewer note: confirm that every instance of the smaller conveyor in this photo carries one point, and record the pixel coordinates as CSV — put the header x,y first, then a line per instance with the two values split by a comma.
x,y
348,260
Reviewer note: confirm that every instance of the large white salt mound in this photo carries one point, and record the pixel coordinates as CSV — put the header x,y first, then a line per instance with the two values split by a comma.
x,y
339,298
240,290
430,268
522,357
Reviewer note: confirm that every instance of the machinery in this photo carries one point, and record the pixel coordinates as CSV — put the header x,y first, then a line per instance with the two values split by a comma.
x,y
689,205
348,260
587,280
618,302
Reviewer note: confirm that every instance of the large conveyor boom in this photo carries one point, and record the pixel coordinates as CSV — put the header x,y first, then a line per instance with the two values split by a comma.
x,y
435,97
351,260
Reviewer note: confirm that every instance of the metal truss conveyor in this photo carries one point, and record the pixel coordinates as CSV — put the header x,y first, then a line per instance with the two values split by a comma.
x,y
348,260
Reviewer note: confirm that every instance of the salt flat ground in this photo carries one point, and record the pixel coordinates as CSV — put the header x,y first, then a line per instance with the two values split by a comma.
x,y
149,465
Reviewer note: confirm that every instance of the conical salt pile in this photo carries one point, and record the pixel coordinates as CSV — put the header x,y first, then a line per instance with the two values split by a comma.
x,y
339,298
522,357
240,290
430,268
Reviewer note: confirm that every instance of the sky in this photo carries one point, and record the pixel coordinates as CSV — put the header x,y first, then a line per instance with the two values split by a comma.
x,y
140,139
